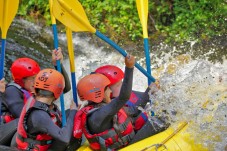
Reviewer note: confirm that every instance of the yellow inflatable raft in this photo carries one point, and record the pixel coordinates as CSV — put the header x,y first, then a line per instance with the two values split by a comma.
x,y
170,139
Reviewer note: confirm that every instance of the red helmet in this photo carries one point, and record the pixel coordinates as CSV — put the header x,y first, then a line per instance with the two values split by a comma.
x,y
92,87
50,80
113,73
22,68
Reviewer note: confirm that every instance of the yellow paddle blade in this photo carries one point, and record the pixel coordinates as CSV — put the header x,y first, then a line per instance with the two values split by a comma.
x,y
70,49
8,10
1,12
53,20
72,15
142,8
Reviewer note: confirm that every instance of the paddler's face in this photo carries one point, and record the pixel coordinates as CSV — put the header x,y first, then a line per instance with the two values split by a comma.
x,y
107,93
29,83
116,89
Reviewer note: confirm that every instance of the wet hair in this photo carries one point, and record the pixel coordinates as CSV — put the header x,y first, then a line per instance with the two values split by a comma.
x,y
106,88
93,72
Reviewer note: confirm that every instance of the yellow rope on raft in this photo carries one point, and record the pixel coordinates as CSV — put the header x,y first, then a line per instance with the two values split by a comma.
x,y
167,139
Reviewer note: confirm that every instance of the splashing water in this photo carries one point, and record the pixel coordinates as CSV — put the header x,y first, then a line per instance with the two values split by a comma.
x,y
191,90
195,91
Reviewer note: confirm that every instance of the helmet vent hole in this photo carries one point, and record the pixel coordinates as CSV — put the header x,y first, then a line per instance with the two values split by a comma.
x,y
115,73
97,94
81,97
46,85
29,68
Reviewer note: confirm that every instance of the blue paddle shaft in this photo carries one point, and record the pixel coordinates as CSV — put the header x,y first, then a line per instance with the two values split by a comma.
x,y
73,77
2,69
2,59
148,62
55,33
63,110
121,51
148,59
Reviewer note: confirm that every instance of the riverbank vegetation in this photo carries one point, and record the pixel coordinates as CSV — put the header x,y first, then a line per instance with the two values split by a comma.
x,y
168,20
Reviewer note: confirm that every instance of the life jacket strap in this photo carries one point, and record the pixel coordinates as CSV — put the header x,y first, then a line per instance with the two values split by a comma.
x,y
34,142
131,109
123,126
111,134
124,140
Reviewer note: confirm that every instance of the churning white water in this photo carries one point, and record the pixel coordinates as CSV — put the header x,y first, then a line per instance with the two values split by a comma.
x,y
191,90
195,91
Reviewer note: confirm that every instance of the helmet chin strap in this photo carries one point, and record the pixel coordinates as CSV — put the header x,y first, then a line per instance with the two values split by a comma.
x,y
52,104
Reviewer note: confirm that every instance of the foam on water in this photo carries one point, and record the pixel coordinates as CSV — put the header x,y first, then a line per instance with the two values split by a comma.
x,y
191,90
195,91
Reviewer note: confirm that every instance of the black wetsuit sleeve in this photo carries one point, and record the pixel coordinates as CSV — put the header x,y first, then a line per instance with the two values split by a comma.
x,y
2,100
101,119
2,96
14,99
39,121
144,99
66,77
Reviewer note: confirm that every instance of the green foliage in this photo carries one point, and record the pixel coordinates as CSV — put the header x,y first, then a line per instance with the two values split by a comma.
x,y
35,10
115,18
173,20
199,19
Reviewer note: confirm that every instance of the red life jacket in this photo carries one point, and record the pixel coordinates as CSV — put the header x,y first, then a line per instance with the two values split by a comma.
x,y
39,142
118,136
6,115
139,120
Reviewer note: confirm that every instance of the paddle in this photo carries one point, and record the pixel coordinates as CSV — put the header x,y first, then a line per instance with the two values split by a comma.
x,y
8,10
72,65
72,15
142,8
55,33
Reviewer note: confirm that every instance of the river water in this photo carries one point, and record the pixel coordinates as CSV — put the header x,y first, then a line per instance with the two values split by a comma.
x,y
193,80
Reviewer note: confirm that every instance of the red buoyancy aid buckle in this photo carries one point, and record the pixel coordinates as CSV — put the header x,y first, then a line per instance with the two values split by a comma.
x,y
120,128
125,140
120,141
110,134
6,117
34,142
124,125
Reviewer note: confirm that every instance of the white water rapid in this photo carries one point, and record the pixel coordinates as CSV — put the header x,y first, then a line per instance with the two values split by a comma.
x,y
191,90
